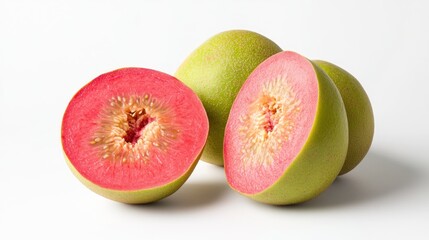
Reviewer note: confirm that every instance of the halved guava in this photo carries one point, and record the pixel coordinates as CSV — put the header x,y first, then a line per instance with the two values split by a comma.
x,y
286,136
134,135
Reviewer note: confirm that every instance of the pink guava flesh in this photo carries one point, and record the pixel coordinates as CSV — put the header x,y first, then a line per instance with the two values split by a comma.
x,y
188,129
258,148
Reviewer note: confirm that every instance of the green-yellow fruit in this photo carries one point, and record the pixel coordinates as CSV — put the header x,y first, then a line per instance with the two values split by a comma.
x,y
286,137
216,71
359,113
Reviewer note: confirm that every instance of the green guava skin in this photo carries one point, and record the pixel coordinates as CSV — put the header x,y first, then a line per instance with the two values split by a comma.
x,y
359,113
216,71
135,196
322,156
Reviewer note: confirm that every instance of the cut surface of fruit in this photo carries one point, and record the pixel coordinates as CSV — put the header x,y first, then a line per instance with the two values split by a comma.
x,y
275,120
286,135
134,129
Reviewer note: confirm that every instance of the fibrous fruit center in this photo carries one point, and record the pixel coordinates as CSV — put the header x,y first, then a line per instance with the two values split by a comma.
x,y
268,123
130,129
137,120
268,107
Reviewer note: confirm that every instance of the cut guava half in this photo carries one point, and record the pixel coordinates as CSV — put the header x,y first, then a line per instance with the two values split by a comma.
x,y
134,135
286,136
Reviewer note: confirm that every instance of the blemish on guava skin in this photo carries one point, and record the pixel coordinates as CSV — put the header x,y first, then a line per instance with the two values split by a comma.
x,y
130,127
268,123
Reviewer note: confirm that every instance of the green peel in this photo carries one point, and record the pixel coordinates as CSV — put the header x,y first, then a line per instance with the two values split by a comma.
x,y
321,158
215,71
359,113
135,196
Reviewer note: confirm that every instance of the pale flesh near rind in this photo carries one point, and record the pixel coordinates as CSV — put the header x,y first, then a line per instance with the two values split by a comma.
x,y
216,71
320,159
94,120
359,113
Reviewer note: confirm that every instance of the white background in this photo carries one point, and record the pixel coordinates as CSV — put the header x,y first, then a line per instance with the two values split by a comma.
x,y
50,49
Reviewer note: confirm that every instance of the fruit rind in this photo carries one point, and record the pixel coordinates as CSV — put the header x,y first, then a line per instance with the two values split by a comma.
x,y
359,113
216,71
137,196
322,156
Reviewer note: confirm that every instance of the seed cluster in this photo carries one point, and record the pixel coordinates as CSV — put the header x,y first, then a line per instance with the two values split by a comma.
x,y
129,127
268,123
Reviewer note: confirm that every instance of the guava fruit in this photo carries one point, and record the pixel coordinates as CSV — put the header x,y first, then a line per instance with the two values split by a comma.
x,y
359,113
216,70
134,135
286,136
